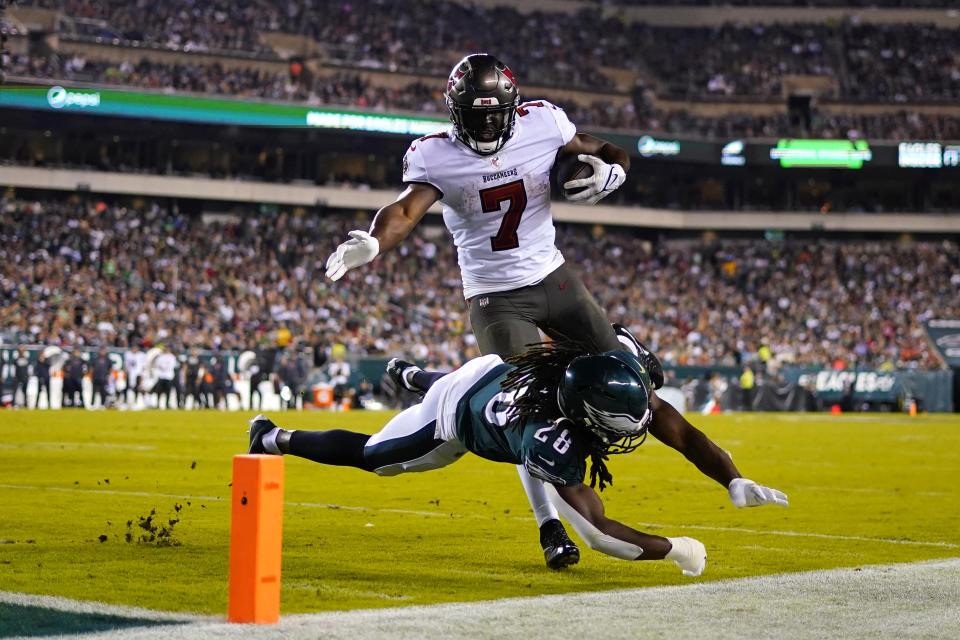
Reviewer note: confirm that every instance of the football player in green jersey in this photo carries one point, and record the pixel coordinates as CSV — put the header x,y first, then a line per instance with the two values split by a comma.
x,y
548,409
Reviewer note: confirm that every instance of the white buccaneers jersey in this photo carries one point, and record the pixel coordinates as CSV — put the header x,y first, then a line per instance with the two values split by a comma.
x,y
497,207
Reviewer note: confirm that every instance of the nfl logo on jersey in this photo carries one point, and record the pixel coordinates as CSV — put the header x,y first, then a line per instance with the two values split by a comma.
x,y
483,302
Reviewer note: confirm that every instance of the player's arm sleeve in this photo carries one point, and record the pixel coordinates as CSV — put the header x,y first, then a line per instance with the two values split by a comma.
x,y
581,522
415,168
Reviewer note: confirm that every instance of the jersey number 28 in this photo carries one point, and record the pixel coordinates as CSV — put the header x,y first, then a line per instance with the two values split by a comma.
x,y
561,442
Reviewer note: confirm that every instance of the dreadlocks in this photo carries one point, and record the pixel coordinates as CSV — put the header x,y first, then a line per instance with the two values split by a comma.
x,y
534,383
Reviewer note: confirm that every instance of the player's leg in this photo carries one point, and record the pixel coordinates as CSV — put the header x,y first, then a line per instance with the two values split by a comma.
x,y
408,442
505,324
567,310
255,389
574,314
20,384
406,375
559,550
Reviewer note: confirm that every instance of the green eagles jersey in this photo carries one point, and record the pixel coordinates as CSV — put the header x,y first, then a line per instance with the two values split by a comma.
x,y
554,454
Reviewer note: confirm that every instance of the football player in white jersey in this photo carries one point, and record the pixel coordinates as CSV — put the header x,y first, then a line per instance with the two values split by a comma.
x,y
491,173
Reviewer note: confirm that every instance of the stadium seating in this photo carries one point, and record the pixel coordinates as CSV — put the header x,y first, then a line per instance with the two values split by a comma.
x,y
105,270
614,73
87,272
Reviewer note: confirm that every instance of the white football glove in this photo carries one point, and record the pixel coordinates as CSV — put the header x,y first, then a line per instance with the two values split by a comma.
x,y
606,179
689,554
747,493
359,250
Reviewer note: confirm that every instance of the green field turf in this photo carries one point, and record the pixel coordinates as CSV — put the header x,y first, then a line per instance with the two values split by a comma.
x,y
864,489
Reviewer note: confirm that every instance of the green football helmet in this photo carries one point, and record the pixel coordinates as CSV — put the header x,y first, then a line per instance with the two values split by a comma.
x,y
609,394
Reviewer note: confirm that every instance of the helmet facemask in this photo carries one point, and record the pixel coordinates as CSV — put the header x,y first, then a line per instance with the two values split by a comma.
x,y
482,98
609,394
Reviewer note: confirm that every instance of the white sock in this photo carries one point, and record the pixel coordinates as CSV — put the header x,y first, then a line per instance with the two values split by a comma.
x,y
543,509
269,441
407,375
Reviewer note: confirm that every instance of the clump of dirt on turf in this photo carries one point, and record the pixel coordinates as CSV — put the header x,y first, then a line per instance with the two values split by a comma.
x,y
154,530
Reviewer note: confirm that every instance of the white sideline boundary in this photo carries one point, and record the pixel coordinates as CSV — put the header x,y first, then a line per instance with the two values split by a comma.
x,y
915,600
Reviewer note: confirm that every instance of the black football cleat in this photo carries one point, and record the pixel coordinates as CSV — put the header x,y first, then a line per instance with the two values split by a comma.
x,y
396,369
259,426
558,549
647,357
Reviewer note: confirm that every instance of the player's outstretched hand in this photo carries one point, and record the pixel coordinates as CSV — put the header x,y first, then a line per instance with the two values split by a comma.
x,y
747,493
606,179
689,554
360,249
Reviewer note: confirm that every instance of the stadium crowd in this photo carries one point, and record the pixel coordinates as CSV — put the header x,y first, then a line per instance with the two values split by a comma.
x,y
875,62
350,89
902,63
83,272
340,88
897,125
878,4
190,25
198,78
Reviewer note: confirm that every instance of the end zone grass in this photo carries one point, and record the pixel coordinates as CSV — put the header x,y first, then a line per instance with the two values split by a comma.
x,y
864,489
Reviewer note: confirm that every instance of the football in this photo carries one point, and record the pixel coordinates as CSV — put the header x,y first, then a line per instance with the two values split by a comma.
x,y
568,167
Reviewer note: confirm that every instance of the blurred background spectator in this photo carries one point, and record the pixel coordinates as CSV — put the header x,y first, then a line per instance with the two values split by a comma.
x,y
148,275
609,67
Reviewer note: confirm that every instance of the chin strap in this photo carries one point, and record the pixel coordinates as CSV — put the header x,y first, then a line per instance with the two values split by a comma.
x,y
476,145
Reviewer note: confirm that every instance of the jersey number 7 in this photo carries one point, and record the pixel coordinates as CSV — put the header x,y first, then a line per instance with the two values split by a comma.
x,y
516,196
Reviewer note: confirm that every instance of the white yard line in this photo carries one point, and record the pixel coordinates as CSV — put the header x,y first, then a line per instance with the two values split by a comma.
x,y
114,492
917,600
77,445
308,505
436,514
801,534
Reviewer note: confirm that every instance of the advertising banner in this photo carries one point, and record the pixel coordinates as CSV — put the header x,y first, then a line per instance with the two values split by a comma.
x,y
933,390
185,108
945,336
